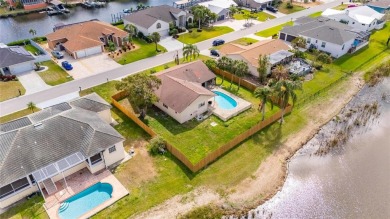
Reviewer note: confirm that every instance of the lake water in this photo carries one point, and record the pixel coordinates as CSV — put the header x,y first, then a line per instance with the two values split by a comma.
x,y
12,29
349,181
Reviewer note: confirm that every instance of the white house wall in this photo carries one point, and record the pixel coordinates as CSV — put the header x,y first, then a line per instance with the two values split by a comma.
x,y
22,67
334,49
19,195
163,31
114,157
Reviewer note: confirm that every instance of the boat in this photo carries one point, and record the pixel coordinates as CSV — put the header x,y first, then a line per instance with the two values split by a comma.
x,y
53,11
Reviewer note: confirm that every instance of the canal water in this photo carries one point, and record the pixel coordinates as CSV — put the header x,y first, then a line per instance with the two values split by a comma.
x,y
16,28
349,180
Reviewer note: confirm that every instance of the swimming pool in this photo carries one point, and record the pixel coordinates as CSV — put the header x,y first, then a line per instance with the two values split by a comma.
x,y
224,101
84,201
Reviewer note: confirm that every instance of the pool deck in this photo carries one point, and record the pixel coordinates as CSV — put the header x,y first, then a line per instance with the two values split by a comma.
x,y
225,114
78,182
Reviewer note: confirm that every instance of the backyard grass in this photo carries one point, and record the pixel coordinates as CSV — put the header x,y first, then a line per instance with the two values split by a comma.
x,y
10,89
31,49
146,50
32,208
54,75
273,30
17,115
283,8
260,16
341,7
207,33
369,54
317,14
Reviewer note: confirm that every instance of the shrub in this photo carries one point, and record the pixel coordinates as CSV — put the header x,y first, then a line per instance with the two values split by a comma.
x,y
275,36
317,66
166,66
19,43
152,71
289,5
199,30
140,35
324,58
157,145
190,31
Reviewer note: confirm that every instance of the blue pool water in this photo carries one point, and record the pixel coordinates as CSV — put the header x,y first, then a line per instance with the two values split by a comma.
x,y
84,201
224,101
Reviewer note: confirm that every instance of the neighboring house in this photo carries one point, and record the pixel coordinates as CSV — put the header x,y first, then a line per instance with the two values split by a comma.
x,y
362,18
381,6
326,35
219,7
39,149
85,38
157,19
183,93
275,49
257,4
15,60
29,4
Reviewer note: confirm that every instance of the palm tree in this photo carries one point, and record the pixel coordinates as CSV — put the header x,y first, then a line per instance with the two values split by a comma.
x,y
32,32
155,37
199,14
263,67
190,51
140,6
232,9
284,91
265,95
233,71
31,106
224,63
280,72
241,70
132,30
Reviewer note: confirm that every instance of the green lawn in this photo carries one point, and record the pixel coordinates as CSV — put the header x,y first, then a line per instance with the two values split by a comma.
x,y
369,54
283,8
144,51
10,89
260,16
17,115
245,41
207,33
55,75
31,49
273,30
341,7
317,14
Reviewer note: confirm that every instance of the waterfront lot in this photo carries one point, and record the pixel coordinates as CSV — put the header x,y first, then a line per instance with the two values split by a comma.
x,y
207,33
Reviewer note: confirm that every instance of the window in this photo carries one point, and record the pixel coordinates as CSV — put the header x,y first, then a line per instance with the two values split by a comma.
x,y
369,25
316,41
343,47
112,149
165,105
308,40
323,44
158,26
364,24
353,22
96,159
201,104
13,187
31,179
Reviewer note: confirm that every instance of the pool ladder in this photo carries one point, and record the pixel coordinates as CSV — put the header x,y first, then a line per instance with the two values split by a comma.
x,y
64,206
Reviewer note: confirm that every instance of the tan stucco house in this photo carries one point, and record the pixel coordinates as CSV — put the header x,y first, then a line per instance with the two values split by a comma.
x,y
183,93
42,148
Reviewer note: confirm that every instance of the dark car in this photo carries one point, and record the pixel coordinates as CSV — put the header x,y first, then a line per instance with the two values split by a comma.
x,y
218,42
271,9
67,65
214,52
57,54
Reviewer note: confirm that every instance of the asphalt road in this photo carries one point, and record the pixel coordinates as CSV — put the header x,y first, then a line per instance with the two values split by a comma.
x,y
20,103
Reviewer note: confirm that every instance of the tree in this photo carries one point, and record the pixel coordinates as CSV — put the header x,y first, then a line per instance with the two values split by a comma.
x,y
157,145
265,95
140,91
31,106
155,37
299,42
190,51
199,14
32,32
284,91
224,63
241,70
132,30
232,9
212,17
280,72
111,46
140,6
263,67
324,58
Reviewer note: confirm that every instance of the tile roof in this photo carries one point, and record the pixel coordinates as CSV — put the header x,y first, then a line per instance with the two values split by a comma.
x,y
85,35
92,102
380,4
67,131
14,55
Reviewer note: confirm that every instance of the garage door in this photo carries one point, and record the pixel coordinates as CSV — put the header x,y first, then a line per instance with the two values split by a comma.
x,y
290,38
163,33
282,36
89,51
22,67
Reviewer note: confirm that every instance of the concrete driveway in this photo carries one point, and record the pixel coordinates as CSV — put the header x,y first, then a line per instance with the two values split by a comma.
x,y
88,66
171,44
32,82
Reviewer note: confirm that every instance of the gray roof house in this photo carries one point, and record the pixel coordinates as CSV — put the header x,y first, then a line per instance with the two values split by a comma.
x,y
56,141
15,59
157,19
324,34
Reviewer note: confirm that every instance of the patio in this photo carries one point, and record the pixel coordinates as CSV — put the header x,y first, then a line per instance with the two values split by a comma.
x,y
78,182
226,114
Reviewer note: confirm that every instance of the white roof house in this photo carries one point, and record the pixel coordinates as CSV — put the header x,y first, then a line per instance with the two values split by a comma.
x,y
219,7
360,18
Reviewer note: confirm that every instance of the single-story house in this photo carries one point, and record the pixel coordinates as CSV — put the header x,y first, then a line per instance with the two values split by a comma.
x,y
157,19
183,93
15,60
29,4
42,148
362,18
275,49
219,7
256,4
85,38
381,6
326,35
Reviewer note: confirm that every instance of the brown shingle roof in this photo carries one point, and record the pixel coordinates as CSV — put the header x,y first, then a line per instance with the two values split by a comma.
x,y
251,53
85,35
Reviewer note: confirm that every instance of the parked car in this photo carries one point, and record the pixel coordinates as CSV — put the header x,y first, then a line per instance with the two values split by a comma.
x,y
218,42
214,52
67,65
57,54
272,9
